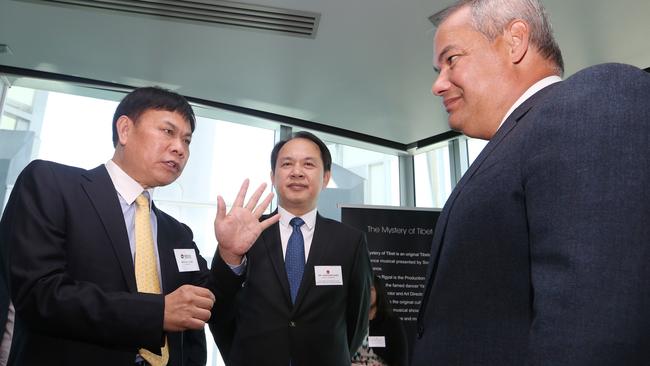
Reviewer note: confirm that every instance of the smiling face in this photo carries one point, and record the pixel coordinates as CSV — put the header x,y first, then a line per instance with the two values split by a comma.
x,y
474,76
154,149
299,176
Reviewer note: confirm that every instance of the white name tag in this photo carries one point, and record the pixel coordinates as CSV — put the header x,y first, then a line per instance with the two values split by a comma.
x,y
328,275
376,341
186,260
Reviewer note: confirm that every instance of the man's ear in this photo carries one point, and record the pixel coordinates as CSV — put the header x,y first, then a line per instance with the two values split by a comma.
x,y
518,36
123,125
326,178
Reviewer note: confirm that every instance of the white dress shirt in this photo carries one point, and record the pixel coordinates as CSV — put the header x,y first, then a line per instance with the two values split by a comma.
x,y
530,92
307,229
127,191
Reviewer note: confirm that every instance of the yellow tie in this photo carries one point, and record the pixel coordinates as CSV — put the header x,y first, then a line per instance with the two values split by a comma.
x,y
146,271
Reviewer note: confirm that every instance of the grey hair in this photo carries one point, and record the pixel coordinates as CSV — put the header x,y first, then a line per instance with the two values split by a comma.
x,y
490,17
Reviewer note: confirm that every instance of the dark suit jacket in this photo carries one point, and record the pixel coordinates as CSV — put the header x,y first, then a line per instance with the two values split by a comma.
x,y
72,277
259,325
16,342
541,254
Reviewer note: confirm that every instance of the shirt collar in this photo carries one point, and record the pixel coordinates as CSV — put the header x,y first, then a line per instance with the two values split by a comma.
x,y
309,218
125,186
530,92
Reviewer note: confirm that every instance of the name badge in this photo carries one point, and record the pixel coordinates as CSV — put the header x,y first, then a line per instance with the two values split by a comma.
x,y
376,342
186,260
328,275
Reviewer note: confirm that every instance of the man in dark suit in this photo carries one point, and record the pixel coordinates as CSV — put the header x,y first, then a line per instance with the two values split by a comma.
x,y
74,242
10,337
273,317
540,255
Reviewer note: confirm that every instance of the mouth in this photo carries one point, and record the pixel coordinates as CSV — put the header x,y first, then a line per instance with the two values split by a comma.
x,y
297,186
450,102
173,165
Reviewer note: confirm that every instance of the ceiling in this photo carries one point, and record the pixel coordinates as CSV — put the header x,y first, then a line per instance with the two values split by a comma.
x,y
368,69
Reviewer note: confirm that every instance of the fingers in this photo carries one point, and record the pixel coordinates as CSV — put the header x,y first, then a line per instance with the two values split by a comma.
x,y
252,202
188,307
270,221
194,324
262,207
202,292
239,200
221,208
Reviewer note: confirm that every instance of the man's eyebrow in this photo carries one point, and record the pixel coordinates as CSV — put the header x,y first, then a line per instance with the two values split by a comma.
x,y
174,127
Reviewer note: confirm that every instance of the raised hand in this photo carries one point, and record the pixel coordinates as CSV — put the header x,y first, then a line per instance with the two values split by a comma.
x,y
237,231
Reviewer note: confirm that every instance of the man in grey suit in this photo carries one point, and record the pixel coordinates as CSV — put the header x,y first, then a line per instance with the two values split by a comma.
x,y
541,254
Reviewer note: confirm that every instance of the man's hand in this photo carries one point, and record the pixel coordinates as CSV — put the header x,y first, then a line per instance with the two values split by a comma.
x,y
188,307
237,231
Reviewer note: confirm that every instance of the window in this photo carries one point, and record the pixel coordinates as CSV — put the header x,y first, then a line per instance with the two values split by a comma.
x,y
359,176
433,182
474,147
21,106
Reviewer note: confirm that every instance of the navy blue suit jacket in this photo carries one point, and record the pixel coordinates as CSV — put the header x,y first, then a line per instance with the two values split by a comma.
x,y
541,255
71,273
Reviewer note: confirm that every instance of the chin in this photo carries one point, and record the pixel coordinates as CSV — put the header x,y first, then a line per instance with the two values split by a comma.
x,y
165,181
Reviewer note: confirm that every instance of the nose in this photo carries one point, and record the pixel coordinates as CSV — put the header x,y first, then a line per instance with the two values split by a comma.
x,y
441,84
180,148
296,170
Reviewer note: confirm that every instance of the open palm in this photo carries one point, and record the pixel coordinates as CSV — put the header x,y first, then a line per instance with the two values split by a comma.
x,y
237,230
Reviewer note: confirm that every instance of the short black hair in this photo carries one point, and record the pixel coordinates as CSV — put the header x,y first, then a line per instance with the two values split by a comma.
x,y
324,151
141,100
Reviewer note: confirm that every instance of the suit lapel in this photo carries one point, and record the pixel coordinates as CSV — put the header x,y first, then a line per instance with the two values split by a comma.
x,y
102,195
273,243
319,246
441,226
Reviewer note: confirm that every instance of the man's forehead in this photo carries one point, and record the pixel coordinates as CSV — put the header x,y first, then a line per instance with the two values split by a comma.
x,y
297,154
298,148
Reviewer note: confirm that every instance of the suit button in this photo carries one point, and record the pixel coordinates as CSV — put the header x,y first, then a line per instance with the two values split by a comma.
x,y
292,324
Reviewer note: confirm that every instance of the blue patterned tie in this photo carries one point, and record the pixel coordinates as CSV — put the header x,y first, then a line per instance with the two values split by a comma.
x,y
294,260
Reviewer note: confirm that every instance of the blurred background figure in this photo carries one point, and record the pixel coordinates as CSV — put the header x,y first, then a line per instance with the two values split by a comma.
x,y
386,343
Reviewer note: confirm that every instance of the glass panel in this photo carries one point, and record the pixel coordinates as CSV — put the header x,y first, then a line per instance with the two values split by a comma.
x,y
76,130
379,173
432,177
359,176
8,122
21,98
474,147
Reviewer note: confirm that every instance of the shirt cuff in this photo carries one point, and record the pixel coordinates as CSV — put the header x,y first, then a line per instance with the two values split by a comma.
x,y
239,268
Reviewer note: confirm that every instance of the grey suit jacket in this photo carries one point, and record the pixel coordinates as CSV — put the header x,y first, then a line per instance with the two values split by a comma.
x,y
541,254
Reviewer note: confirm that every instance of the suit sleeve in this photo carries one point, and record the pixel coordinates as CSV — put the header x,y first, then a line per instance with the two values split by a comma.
x,y
359,296
223,321
586,178
46,297
194,348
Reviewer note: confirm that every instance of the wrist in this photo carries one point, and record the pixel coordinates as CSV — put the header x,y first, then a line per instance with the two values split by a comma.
x,y
230,258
